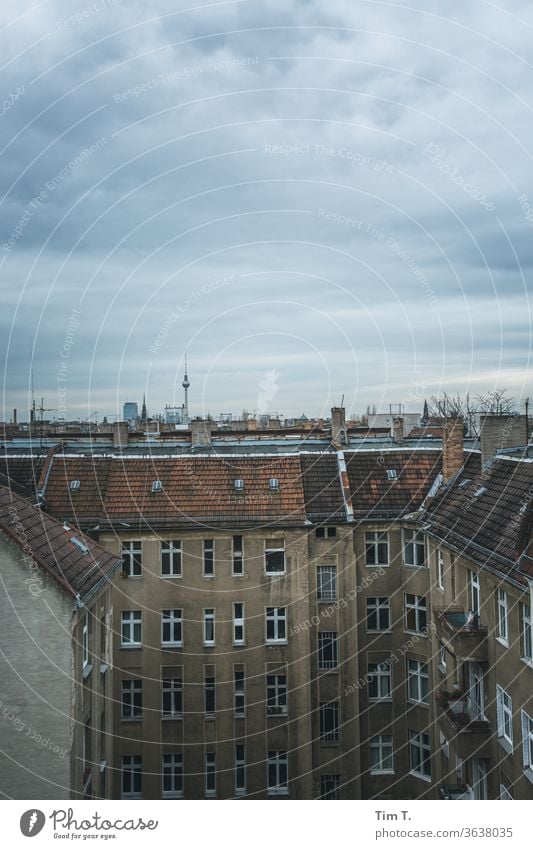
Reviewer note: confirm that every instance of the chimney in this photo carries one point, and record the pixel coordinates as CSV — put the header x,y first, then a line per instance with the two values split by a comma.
x,y
500,432
200,433
452,447
120,435
398,430
339,435
15,416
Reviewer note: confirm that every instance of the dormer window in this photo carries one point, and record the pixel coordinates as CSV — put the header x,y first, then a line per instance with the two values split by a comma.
x,y
80,545
464,483
157,486
74,485
391,474
480,491
273,484
239,485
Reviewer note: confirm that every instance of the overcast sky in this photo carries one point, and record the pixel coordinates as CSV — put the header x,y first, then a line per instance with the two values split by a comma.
x,y
313,199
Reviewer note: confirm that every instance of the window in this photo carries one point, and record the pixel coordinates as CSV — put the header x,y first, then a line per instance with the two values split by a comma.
x,y
157,486
526,633
239,484
417,681
238,557
502,616
85,641
171,627
209,694
240,769
377,548
276,688
328,655
442,657
326,532
329,722
276,624
278,773
171,558
239,695
504,711
527,744
475,592
419,754
209,626
274,556
414,548
444,745
415,613
326,583
74,485
480,778
381,755
132,559
377,613
439,559
131,628
238,624
330,787
172,697
172,776
476,691
273,484
210,774
131,777
209,558
132,699
379,680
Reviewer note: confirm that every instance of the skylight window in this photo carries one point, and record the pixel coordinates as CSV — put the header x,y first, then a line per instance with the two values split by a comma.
x,y
74,485
239,485
391,474
157,486
464,483
481,491
80,545
273,483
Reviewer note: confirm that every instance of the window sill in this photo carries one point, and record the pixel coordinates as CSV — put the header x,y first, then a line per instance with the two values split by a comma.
x,y
330,743
282,791
131,646
131,796
529,774
172,718
239,716
426,778
209,645
502,642
381,772
209,577
374,700
326,600
171,645
277,714
528,661
418,703
506,745
379,631
329,669
210,717
87,669
210,795
166,578
239,645
274,574
276,642
171,795
129,719
414,566
416,633
377,565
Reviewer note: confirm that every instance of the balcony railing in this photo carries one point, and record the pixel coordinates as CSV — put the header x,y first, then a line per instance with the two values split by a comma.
x,y
455,792
461,632
458,709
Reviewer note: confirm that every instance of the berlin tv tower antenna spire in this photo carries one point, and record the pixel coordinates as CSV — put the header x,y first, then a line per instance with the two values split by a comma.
x,y
186,385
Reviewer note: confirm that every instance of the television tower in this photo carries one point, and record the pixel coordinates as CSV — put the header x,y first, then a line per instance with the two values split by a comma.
x,y
186,385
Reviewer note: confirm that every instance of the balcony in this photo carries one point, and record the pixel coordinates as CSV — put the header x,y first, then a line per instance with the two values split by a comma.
x,y
455,792
469,732
462,634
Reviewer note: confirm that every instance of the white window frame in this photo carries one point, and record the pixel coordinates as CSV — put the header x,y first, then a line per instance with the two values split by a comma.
x,y
325,640
272,546
526,634
131,552
439,560
208,547
480,779
415,542
239,635
443,661
379,673
209,618
419,745
131,765
504,715
374,605
417,681
383,745
240,769
526,723
276,693
172,550
239,693
419,606
237,555
131,687
210,774
502,616
474,592
85,641
172,687
476,691
326,590
172,768
377,548
132,620
279,760
279,622
172,619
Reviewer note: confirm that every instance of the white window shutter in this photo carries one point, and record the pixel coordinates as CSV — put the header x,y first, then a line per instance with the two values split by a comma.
x,y
525,739
499,710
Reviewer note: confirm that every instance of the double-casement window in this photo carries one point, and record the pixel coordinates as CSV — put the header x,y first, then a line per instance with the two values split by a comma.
x,y
415,613
502,616
379,679
276,692
210,774
238,623
209,695
172,697
476,691
131,628
131,777
131,698
475,592
377,613
276,624
208,558
527,744
237,556
239,692
172,627
85,641
376,548
277,773
326,583
329,722
439,562
419,754
414,548
417,681
381,754
328,652
326,532
526,633
240,769
274,556
132,558
171,558
504,715
172,776
209,626
330,787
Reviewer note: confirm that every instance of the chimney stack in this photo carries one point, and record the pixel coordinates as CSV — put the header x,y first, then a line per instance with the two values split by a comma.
x,y
339,434
15,416
200,433
499,432
452,447
398,430
120,435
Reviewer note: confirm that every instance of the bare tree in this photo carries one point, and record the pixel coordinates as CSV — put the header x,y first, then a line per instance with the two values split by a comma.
x,y
497,402
446,405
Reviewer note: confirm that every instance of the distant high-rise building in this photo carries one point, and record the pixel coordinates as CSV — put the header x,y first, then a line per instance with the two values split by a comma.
x,y
130,411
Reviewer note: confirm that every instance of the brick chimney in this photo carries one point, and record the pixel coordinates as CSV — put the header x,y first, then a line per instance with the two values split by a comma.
x,y
200,432
500,432
452,447
398,430
339,434
15,416
120,434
